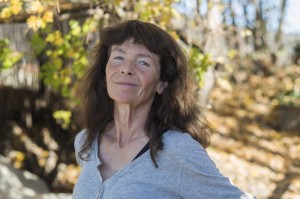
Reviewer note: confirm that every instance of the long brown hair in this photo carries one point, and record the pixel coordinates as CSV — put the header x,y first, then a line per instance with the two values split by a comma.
x,y
176,108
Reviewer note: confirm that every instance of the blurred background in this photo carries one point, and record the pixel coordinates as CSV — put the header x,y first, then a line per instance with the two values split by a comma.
x,y
245,55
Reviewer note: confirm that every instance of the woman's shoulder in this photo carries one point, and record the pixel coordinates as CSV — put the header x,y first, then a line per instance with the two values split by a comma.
x,y
190,151
80,139
181,142
182,146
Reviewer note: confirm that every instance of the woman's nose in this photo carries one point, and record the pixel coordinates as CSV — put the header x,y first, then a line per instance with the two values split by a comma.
x,y
127,68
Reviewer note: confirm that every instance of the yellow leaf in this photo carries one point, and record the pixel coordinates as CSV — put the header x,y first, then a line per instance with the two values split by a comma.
x,y
20,156
32,23
41,23
36,7
70,53
17,157
58,39
57,34
48,17
59,42
57,62
55,38
35,23
50,38
5,13
67,80
63,115
16,9
14,2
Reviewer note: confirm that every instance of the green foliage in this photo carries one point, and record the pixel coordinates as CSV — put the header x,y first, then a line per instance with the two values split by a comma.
x,y
7,57
38,43
199,64
160,11
64,59
66,55
290,98
287,92
13,7
63,117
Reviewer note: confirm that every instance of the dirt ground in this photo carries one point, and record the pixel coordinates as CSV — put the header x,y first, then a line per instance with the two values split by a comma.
x,y
257,158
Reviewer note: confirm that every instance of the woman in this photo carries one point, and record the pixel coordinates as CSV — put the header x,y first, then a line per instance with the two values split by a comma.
x,y
144,136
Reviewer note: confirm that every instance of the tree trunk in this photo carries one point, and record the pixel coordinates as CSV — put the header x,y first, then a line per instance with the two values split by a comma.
x,y
214,39
279,31
259,30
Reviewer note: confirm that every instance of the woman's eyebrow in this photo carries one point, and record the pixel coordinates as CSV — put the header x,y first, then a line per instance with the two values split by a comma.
x,y
121,50
144,55
117,48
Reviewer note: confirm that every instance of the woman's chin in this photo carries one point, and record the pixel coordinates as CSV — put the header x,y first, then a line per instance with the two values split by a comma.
x,y
129,101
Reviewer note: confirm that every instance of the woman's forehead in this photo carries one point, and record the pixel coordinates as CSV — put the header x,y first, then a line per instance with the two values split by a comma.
x,y
131,44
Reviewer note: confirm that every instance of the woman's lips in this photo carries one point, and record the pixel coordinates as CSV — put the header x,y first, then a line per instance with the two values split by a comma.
x,y
125,83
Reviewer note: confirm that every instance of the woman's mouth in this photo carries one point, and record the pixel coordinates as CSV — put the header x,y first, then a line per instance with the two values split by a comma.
x,y
125,83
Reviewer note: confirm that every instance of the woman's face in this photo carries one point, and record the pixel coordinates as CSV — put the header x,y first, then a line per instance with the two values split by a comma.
x,y
133,74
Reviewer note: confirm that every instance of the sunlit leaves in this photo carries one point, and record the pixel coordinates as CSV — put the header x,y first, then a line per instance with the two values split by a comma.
x,y
65,56
75,28
17,158
41,10
65,60
91,24
14,7
48,17
38,43
36,7
160,12
40,21
63,117
55,38
288,91
35,23
199,63
289,97
8,57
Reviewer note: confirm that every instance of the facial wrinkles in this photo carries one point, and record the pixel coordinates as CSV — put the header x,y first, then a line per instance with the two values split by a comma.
x,y
132,54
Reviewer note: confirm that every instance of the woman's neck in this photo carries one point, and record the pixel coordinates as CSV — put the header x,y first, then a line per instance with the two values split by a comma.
x,y
129,123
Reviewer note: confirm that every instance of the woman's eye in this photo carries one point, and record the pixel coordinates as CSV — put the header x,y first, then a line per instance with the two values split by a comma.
x,y
144,63
118,58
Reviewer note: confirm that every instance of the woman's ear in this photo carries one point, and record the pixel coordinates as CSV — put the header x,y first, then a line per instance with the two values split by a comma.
x,y
162,87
